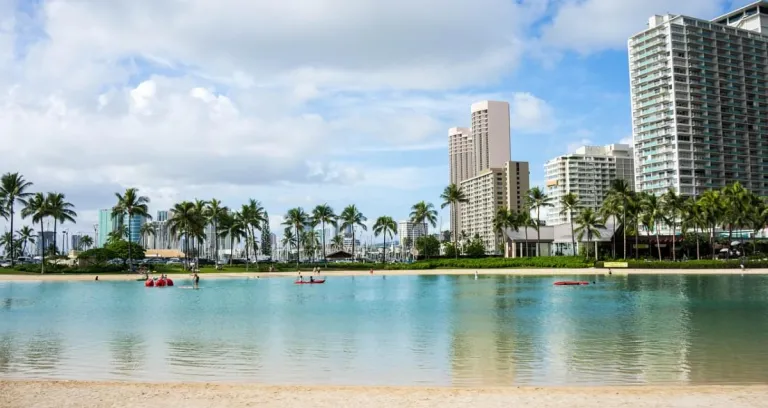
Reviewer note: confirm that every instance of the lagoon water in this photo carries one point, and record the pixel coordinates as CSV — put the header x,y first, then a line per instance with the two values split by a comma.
x,y
399,330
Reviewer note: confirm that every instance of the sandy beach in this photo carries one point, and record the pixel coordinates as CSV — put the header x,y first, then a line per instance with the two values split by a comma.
x,y
70,394
518,272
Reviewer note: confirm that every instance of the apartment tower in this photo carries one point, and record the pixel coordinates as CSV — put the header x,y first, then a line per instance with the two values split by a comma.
x,y
490,134
588,173
700,102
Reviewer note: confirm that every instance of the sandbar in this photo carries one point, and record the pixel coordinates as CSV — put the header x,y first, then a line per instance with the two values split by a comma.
x,y
76,394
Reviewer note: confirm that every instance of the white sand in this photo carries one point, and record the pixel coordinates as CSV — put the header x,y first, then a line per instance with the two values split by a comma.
x,y
64,394
519,272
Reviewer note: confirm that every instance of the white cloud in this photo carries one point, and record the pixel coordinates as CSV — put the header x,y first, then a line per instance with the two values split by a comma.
x,y
593,25
626,140
571,147
531,114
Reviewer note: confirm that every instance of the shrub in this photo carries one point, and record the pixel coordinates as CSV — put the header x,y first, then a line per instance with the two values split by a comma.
x,y
695,264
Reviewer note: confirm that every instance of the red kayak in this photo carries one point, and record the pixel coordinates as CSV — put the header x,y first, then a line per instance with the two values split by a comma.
x,y
309,282
571,283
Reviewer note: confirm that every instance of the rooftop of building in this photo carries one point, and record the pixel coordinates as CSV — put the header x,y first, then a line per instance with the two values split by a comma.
x,y
723,19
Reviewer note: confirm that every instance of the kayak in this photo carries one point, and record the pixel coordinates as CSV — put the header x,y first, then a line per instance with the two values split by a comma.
x,y
571,283
309,283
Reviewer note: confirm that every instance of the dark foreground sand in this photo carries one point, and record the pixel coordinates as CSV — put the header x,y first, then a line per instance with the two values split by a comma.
x,y
65,394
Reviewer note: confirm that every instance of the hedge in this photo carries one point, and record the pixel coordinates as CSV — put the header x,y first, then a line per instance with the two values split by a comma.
x,y
695,264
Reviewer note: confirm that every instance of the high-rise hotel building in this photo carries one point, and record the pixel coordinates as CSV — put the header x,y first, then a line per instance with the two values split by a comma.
x,y
479,162
700,102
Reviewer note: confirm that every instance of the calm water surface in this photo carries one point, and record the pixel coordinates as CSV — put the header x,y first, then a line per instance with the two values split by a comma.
x,y
410,330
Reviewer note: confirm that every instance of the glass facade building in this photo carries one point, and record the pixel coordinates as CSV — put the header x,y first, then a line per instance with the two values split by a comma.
x,y
700,102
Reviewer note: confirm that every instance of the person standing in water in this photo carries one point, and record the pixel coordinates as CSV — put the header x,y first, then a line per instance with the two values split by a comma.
x,y
196,279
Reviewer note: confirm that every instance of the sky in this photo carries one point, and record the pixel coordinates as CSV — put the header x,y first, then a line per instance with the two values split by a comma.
x,y
301,102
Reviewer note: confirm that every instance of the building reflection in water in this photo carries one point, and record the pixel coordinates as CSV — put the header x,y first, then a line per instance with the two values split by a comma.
x,y
128,353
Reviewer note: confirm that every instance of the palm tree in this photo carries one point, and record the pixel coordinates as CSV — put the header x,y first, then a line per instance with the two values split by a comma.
x,y
7,241
4,208
230,226
453,196
537,199
589,224
323,214
186,220
132,204
289,239
13,189
570,203
253,216
692,217
311,241
712,207
622,192
61,211
504,219
352,217
736,200
337,242
147,230
424,213
297,219
633,210
652,207
526,221
672,206
37,208
26,235
213,213
85,242
384,226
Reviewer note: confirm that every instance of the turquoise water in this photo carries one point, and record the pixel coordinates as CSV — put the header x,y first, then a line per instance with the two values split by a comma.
x,y
407,330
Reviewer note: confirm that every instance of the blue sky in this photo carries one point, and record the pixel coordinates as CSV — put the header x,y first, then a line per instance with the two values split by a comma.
x,y
301,102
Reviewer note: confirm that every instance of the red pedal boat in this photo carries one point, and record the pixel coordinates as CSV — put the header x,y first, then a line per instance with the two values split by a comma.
x,y
317,281
571,283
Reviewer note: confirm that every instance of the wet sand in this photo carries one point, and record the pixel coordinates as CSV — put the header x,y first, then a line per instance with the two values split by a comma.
x,y
517,272
65,394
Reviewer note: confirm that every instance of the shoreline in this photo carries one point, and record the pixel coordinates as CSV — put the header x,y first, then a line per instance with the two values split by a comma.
x,y
55,393
423,272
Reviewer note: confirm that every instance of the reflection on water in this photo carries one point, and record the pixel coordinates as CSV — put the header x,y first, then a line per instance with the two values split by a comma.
x,y
441,330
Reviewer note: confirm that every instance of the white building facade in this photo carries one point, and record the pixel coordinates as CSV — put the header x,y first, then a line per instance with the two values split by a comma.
x,y
588,173
700,102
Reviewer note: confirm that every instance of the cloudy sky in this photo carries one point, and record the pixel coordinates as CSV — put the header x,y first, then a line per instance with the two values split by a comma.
x,y
300,102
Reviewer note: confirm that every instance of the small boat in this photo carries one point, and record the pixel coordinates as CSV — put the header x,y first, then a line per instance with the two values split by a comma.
x,y
571,283
317,281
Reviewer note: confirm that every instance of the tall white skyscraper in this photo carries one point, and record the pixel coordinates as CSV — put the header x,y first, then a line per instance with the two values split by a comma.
x,y
700,102
490,134
588,173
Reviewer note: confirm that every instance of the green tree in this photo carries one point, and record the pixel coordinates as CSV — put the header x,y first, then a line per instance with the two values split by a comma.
x,y
98,255
621,191
125,250
352,217
450,250
653,209
297,219
713,209
505,219
526,221
324,214
131,204
61,211
424,213
589,224
26,236
37,208
229,226
337,242
538,199
693,217
214,211
672,206
186,221
253,217
13,189
289,240
85,243
428,246
266,237
10,244
147,230
454,196
476,248
570,203
385,226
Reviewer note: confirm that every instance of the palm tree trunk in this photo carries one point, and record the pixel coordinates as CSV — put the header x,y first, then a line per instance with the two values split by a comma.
x,y
325,257
674,235
658,247
42,255
648,235
613,238
526,243
624,226
695,231
538,232
231,248
385,249
298,247
426,234
55,251
712,240
573,237
353,244
130,259
13,257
